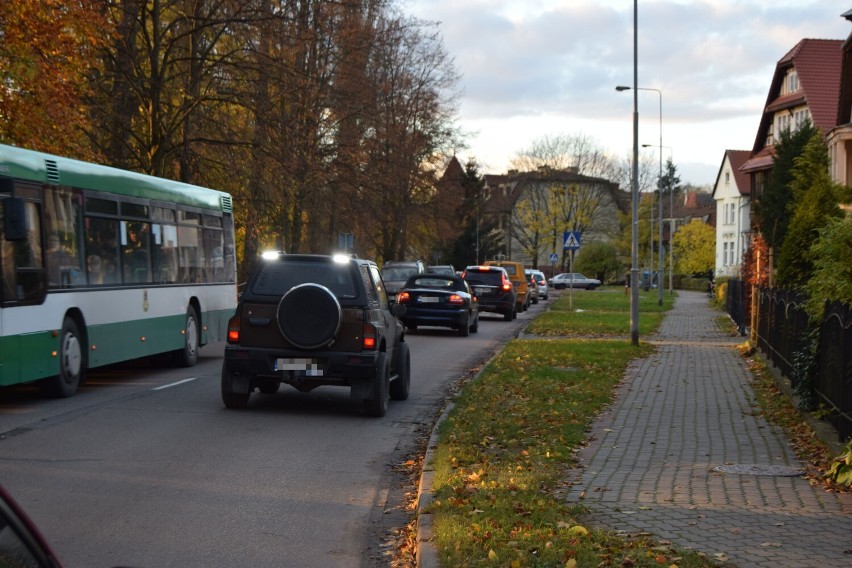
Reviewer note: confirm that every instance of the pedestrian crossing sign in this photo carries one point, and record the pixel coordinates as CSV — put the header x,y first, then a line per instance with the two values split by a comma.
x,y
571,240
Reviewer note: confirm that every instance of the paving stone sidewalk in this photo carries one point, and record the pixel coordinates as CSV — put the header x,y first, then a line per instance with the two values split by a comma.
x,y
678,415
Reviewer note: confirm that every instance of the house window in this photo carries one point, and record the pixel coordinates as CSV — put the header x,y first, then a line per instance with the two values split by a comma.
x,y
792,82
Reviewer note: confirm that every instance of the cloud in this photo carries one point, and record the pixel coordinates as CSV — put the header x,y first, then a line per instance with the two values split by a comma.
x,y
527,66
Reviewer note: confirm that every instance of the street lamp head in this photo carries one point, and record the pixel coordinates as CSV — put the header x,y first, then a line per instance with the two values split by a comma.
x,y
622,88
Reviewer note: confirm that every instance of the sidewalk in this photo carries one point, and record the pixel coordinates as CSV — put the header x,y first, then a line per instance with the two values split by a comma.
x,y
684,411
650,464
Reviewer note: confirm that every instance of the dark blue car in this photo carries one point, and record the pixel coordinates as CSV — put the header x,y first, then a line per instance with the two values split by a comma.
x,y
441,300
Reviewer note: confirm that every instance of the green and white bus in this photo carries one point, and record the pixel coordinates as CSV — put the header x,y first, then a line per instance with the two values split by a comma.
x,y
100,265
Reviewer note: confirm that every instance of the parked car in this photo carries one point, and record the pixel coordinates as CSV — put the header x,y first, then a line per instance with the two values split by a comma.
x,y
515,270
441,269
21,542
573,280
441,300
396,272
533,284
541,280
313,320
493,290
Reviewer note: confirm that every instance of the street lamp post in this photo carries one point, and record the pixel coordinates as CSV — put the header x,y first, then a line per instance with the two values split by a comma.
x,y
634,186
660,191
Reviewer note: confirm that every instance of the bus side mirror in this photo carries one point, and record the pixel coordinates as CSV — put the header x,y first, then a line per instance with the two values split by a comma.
x,y
15,219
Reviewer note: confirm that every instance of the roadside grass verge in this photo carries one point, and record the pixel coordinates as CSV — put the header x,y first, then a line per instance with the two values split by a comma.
x,y
600,313
504,448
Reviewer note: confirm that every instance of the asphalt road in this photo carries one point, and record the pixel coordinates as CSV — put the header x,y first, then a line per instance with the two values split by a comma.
x,y
146,468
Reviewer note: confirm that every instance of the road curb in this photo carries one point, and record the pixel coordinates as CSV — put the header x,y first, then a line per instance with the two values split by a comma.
x,y
427,552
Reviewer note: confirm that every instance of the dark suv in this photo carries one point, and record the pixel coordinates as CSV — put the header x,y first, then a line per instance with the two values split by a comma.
x,y
493,289
313,320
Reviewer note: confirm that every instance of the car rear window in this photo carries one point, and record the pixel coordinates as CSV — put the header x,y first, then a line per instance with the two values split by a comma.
x,y
397,273
433,281
489,278
276,278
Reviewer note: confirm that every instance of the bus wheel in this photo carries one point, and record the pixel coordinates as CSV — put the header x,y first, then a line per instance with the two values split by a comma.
x,y
72,363
188,356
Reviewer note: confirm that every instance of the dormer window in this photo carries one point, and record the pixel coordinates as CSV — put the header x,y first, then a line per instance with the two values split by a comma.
x,y
792,82
727,178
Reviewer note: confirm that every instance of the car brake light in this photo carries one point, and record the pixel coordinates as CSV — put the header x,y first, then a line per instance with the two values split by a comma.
x,y
455,299
369,341
403,298
234,330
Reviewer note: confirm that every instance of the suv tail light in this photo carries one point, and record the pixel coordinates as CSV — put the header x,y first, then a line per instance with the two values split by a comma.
x,y
369,341
234,330
403,298
507,286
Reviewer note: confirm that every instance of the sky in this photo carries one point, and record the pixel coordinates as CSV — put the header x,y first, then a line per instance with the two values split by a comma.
x,y
543,68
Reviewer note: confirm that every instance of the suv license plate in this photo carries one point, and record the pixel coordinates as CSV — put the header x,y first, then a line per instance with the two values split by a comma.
x,y
480,291
309,367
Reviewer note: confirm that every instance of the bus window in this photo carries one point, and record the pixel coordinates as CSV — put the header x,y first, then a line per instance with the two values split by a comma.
x,y
23,274
165,253
102,250
63,253
136,251
190,254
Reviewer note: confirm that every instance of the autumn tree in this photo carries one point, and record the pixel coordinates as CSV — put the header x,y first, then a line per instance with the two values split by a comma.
x,y
47,52
599,260
565,186
695,248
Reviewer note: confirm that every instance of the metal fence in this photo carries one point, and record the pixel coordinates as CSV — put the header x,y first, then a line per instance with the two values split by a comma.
x,y
782,326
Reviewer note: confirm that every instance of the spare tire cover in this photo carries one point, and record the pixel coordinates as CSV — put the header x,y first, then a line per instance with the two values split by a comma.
x,y
309,316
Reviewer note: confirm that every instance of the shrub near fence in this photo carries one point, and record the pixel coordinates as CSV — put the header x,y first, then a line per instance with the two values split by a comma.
x,y
782,332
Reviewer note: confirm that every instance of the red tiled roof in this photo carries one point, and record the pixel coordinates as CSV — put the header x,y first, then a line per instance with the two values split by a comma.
x,y
760,161
738,159
818,64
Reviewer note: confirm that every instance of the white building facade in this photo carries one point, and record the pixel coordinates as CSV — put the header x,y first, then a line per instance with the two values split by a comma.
x,y
732,193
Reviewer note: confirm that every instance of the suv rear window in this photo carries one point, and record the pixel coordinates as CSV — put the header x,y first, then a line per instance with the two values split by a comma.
x,y
278,277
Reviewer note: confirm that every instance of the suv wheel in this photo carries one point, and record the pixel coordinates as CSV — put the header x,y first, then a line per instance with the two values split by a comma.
x,y
309,316
401,386
377,404
509,314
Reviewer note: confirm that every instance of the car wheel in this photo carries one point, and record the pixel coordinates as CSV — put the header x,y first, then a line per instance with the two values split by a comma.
x,y
377,404
188,355
231,399
464,326
475,327
401,386
72,363
309,316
